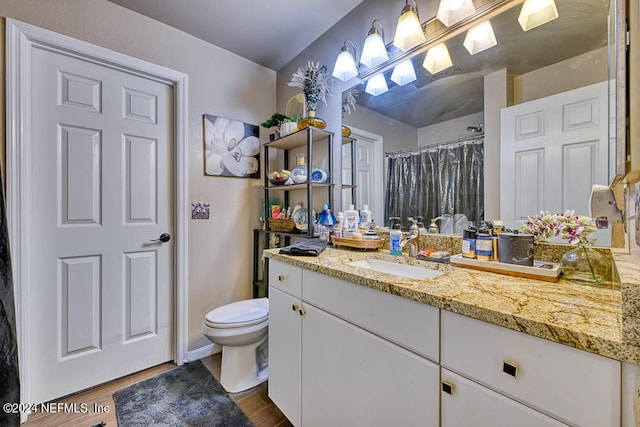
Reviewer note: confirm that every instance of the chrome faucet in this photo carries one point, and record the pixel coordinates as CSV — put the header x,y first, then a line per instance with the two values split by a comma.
x,y
412,239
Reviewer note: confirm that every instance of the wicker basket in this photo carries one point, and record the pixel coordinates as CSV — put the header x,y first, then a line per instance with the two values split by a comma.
x,y
284,225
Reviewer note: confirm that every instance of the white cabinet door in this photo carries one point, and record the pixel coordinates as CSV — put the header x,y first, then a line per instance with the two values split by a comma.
x,y
284,353
466,403
353,378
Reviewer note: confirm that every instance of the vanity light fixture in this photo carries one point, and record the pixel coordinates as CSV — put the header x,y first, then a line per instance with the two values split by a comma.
x,y
403,73
345,68
479,38
376,85
453,11
409,32
537,12
437,59
374,51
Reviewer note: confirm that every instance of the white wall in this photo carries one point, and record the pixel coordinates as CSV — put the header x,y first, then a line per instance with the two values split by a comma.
x,y
449,130
395,135
220,83
573,73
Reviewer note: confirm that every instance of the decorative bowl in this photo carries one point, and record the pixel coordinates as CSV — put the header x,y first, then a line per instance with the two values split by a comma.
x,y
278,177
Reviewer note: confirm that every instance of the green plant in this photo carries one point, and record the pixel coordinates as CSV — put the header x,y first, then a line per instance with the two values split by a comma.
x,y
276,119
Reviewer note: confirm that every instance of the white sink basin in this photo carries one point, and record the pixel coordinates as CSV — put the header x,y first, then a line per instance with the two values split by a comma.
x,y
397,269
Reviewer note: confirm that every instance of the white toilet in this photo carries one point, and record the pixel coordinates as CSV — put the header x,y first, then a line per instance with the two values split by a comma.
x,y
241,329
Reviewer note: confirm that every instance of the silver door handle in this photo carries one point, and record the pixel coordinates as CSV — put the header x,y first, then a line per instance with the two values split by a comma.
x,y
164,238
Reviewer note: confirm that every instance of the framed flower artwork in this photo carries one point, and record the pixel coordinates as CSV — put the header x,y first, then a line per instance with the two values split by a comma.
x,y
231,148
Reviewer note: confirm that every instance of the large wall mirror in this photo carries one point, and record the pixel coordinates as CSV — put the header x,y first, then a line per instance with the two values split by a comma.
x,y
526,125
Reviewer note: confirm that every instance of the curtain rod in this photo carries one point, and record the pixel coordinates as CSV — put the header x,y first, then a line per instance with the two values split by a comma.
x,y
470,139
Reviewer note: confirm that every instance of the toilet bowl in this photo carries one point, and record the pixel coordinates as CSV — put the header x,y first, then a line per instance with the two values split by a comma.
x,y
241,329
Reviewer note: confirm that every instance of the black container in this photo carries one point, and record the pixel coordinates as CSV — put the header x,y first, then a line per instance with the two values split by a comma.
x,y
515,248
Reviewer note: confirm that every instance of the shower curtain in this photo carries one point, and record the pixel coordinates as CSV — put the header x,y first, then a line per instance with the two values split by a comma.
x,y
9,375
430,182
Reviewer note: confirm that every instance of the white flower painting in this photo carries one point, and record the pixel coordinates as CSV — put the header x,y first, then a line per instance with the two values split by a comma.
x,y
231,148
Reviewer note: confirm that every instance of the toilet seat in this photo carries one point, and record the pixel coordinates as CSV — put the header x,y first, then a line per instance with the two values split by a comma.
x,y
239,314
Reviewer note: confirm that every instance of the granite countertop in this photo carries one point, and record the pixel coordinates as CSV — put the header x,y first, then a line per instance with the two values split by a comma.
x,y
585,317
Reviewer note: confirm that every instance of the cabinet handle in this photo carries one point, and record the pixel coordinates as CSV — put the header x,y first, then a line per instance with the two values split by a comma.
x,y
447,387
510,368
302,311
281,278
295,307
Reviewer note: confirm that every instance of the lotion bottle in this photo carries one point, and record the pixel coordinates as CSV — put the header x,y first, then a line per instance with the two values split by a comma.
x,y
395,236
350,222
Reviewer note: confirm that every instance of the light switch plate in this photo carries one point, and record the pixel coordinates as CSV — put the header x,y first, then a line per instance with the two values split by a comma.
x,y
199,210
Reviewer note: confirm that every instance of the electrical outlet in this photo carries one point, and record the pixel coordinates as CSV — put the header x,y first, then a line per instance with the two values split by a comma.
x,y
199,210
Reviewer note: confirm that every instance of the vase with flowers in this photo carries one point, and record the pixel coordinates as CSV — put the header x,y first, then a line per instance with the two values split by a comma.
x,y
314,82
581,264
348,104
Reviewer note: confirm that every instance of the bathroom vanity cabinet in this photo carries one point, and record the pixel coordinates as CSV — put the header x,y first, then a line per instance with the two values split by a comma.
x,y
320,356
342,353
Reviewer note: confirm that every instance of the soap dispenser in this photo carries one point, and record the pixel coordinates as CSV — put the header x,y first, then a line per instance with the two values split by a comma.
x,y
326,223
395,236
433,227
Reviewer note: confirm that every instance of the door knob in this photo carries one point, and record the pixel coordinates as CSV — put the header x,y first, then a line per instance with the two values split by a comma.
x,y
164,238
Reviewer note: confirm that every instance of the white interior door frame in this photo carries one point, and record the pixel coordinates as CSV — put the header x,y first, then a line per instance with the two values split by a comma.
x,y
21,38
378,176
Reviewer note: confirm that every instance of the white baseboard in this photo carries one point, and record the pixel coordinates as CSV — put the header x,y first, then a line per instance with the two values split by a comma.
x,y
202,352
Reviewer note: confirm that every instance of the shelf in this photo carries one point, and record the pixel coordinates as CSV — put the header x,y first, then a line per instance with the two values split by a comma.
x,y
348,186
347,140
297,139
302,186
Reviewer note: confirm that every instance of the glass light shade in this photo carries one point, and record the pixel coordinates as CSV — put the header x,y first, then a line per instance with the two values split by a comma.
x,y
537,12
345,67
479,38
453,11
409,32
374,51
403,73
437,59
376,85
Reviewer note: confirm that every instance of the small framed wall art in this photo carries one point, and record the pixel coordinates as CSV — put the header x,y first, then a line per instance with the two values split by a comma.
x,y
231,148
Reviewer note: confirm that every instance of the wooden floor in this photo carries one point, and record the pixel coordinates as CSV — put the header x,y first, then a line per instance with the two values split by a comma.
x,y
254,402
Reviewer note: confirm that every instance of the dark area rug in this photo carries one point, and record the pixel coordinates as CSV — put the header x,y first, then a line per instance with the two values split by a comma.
x,y
185,396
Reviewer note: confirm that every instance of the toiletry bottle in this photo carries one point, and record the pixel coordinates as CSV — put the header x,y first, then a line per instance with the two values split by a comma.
x,y
484,243
365,217
421,226
350,224
337,230
395,235
326,222
469,242
433,227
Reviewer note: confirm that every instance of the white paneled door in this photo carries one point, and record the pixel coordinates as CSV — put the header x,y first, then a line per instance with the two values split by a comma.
x,y
101,290
552,151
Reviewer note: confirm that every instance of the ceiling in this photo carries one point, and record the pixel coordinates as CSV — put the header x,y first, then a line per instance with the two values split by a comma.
x,y
270,33
459,90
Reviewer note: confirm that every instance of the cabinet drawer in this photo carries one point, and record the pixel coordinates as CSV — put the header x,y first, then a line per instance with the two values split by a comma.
x,y
408,323
572,385
286,277
466,403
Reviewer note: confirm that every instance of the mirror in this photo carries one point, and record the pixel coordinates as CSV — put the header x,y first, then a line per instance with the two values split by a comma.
x,y
560,74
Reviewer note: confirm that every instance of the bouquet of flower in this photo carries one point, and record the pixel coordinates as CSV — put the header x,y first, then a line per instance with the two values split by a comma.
x,y
349,100
314,82
567,225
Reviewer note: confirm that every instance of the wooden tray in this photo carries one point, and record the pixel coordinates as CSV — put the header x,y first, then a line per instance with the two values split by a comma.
x,y
546,271
365,244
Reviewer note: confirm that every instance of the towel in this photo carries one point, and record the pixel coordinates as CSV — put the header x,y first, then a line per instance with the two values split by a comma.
x,y
308,247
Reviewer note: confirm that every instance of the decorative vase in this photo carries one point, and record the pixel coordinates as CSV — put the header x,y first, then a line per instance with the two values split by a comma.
x,y
583,264
299,173
311,120
346,131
